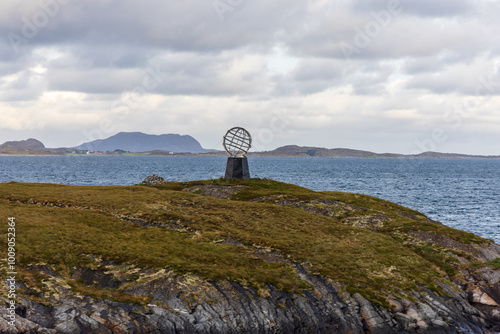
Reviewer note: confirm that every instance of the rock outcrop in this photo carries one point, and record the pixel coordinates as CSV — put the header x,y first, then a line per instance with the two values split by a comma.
x,y
89,293
189,304
153,180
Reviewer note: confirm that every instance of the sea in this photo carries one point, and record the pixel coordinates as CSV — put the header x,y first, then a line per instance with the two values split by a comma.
x,y
460,193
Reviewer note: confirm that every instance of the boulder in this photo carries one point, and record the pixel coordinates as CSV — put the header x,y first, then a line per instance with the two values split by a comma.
x,y
153,180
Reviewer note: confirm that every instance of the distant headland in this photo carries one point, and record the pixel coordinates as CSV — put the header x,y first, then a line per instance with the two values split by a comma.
x,y
138,143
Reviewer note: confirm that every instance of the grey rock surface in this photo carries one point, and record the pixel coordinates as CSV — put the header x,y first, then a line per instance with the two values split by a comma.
x,y
188,304
153,180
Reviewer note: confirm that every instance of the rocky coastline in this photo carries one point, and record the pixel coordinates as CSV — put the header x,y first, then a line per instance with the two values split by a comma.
x,y
466,302
193,305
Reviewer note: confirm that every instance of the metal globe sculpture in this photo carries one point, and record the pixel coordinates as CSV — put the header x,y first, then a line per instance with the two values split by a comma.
x,y
237,142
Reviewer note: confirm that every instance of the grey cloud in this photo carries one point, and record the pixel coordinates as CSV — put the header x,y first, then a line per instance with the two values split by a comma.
x,y
95,81
439,8
313,69
20,96
22,81
442,8
6,52
8,68
316,75
104,56
27,85
167,74
210,75
370,80
179,25
475,79
431,63
401,38
313,75
359,33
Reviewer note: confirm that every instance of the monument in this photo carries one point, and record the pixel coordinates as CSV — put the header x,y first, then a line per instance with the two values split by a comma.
x,y
237,142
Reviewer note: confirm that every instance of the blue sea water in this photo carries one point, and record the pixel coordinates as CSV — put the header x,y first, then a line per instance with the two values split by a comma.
x,y
461,193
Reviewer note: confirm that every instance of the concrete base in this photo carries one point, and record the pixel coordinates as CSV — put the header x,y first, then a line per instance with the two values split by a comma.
x,y
237,168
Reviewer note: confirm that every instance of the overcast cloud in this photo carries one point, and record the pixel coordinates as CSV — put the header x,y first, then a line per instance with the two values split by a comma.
x,y
386,75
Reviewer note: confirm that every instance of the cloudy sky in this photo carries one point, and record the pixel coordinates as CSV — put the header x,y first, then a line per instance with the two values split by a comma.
x,y
401,76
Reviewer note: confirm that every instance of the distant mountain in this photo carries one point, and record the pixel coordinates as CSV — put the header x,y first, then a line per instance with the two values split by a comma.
x,y
141,142
164,144
29,144
320,152
306,151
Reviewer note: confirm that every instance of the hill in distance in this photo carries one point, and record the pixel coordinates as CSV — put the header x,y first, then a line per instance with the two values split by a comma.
x,y
30,145
319,152
141,142
138,142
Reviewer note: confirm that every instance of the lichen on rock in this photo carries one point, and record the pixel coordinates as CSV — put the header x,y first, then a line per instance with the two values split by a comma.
x,y
153,180
243,256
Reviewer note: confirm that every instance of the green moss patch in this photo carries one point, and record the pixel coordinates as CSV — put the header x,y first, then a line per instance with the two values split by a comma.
x,y
170,227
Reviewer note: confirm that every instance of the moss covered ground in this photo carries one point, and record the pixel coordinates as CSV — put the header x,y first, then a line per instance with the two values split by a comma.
x,y
366,244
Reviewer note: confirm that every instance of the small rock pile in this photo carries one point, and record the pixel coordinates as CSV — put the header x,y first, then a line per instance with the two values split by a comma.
x,y
153,180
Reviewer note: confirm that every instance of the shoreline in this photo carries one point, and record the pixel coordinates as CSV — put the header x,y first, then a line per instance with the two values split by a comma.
x,y
263,155
230,242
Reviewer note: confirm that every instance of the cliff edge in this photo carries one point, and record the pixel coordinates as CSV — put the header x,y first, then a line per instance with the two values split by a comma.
x,y
254,256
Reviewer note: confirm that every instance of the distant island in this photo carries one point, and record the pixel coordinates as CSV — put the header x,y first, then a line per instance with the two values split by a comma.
x,y
121,143
29,146
319,152
138,143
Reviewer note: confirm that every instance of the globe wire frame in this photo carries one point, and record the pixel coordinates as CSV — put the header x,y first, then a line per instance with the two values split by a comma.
x,y
237,141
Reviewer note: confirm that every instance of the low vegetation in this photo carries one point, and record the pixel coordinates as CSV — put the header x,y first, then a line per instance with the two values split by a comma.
x,y
254,232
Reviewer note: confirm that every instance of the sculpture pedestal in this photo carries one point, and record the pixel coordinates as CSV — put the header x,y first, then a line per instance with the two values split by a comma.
x,y
237,168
